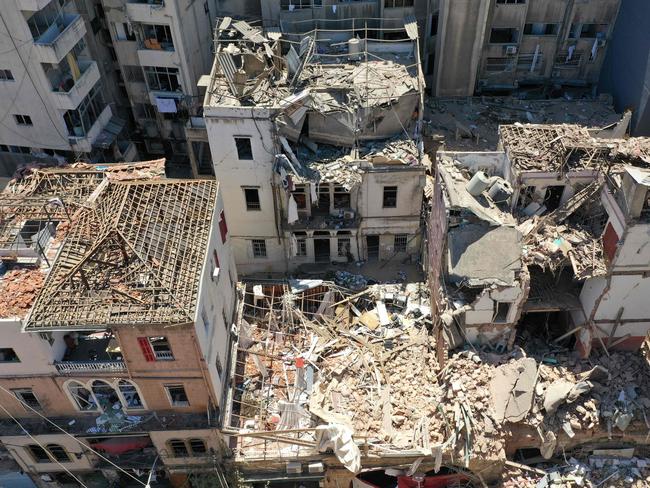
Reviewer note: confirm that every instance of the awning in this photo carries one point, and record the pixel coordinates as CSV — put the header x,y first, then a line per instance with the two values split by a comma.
x,y
121,445
109,134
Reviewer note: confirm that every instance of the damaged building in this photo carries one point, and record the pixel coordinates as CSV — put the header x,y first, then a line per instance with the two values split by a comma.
x,y
568,213
316,145
117,301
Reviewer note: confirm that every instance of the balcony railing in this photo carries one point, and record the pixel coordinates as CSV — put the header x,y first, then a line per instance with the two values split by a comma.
x,y
164,356
80,367
45,29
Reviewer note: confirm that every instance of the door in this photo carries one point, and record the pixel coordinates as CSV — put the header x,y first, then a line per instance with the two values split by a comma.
x,y
321,250
372,246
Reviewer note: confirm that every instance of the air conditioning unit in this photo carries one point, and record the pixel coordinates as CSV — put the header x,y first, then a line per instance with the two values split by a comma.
x,y
511,50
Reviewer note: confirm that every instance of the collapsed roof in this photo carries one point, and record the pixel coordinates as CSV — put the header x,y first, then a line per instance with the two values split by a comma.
x,y
565,147
348,93
134,257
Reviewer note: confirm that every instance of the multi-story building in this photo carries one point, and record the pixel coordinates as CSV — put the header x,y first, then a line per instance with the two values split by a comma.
x,y
318,159
52,98
117,306
569,214
466,46
162,48
500,45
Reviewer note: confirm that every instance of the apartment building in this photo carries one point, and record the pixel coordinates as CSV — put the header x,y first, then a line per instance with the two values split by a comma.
x,y
500,45
319,160
162,48
571,226
118,300
53,104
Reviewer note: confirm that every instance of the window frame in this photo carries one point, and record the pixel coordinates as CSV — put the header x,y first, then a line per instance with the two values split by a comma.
x,y
173,443
30,448
402,245
23,120
246,151
164,356
13,351
159,73
389,189
6,75
515,38
251,205
258,247
18,392
65,458
172,402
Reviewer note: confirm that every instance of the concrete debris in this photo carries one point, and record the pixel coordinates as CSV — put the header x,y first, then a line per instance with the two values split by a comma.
x,y
472,123
512,389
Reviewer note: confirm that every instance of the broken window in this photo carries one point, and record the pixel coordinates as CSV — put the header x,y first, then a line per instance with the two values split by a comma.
x,y
177,396
130,395
400,242
341,198
178,448
8,355
38,453
58,453
197,447
157,37
161,348
23,119
259,248
504,35
252,196
434,24
82,397
301,239
588,31
160,78
300,196
343,244
541,29
244,148
124,31
502,309
390,197
26,395
323,207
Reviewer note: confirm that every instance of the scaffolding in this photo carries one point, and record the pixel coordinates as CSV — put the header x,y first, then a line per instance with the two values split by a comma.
x,y
134,257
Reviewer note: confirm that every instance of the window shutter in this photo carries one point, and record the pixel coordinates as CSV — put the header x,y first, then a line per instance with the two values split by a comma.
x,y
147,351
223,227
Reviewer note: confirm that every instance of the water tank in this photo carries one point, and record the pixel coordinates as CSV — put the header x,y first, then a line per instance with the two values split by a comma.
x,y
478,184
354,48
500,191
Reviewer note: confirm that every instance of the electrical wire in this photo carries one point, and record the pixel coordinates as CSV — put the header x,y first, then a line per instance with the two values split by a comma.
x,y
70,435
40,445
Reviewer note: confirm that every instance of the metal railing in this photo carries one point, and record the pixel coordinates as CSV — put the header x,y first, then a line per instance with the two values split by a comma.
x,y
76,367
164,356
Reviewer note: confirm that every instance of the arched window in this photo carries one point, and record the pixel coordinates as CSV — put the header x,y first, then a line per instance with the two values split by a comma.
x,y
105,394
82,397
58,453
38,453
131,398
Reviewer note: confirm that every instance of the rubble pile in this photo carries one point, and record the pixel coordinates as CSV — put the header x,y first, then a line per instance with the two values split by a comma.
x,y
473,123
597,470
18,288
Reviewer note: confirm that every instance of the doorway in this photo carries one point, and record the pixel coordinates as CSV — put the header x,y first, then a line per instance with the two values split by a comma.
x,y
321,250
372,245
553,197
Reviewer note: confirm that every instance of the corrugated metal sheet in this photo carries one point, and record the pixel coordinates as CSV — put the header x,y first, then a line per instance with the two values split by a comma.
x,y
228,68
249,32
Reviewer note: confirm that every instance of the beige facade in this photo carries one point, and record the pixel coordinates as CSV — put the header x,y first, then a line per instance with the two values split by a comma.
x,y
158,382
501,45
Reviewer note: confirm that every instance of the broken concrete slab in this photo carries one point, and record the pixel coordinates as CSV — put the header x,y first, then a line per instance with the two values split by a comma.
x,y
512,389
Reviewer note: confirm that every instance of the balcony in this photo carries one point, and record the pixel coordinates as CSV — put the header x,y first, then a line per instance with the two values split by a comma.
x,y
56,38
345,220
67,92
32,5
157,57
147,11
84,138
93,354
